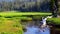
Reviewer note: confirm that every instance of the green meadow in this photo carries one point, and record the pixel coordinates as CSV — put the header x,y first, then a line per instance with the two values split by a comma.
x,y
10,22
10,26
54,20
22,13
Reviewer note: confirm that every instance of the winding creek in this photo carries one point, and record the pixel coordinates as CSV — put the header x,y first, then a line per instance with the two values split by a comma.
x,y
36,30
33,28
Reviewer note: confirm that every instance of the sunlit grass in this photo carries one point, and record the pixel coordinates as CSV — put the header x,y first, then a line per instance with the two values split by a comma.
x,y
55,20
10,26
22,13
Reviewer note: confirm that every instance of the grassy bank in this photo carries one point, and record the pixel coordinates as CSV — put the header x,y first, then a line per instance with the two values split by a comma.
x,y
54,20
10,26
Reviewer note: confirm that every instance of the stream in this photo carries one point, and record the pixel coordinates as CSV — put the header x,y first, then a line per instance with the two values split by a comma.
x,y
36,30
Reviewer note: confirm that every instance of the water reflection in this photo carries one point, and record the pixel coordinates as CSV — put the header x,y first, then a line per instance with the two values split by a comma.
x,y
37,30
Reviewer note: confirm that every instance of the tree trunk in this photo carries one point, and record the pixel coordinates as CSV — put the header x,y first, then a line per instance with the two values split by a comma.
x,y
54,7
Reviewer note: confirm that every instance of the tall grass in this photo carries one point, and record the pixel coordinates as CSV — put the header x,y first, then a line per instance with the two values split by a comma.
x,y
54,20
10,26
22,13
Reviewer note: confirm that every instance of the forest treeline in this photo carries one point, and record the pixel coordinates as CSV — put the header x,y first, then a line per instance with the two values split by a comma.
x,y
31,5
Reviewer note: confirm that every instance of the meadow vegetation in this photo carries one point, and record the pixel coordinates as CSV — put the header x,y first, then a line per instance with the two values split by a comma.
x,y
10,26
54,20
10,22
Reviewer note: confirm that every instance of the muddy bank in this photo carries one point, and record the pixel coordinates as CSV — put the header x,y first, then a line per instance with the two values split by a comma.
x,y
54,29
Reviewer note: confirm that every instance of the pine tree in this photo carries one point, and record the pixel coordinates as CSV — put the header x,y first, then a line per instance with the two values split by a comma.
x,y
54,7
